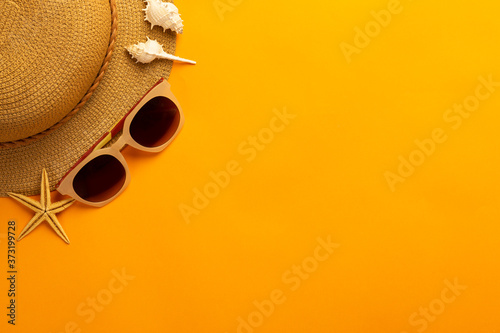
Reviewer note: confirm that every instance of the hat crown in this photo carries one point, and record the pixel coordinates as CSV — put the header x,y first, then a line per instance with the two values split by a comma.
x,y
50,54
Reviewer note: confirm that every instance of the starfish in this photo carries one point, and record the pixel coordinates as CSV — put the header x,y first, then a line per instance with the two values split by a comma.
x,y
44,210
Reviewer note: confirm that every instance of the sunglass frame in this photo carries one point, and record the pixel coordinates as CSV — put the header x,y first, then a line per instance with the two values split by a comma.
x,y
65,186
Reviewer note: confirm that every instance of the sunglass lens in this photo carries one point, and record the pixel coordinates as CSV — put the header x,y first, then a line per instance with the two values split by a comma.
x,y
100,179
155,123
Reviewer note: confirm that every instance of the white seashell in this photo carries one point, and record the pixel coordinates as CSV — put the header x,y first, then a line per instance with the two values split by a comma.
x,y
151,50
164,14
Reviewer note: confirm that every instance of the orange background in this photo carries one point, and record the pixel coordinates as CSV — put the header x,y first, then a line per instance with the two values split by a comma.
x,y
322,176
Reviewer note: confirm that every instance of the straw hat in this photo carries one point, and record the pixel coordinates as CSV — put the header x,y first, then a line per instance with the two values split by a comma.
x,y
56,56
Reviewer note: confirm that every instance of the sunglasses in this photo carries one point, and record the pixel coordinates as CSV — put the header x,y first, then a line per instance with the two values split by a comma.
x,y
102,174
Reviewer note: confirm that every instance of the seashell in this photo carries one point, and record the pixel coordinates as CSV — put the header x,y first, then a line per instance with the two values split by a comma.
x,y
164,14
151,50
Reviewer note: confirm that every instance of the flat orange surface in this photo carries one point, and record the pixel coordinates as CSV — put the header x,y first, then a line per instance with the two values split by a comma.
x,y
337,172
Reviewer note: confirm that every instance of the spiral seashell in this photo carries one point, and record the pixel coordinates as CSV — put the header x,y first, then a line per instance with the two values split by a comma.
x,y
164,14
151,50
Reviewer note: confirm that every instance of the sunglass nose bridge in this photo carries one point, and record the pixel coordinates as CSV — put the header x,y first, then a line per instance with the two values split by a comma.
x,y
120,143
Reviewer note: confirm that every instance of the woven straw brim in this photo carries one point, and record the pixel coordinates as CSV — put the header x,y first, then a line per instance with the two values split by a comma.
x,y
124,83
